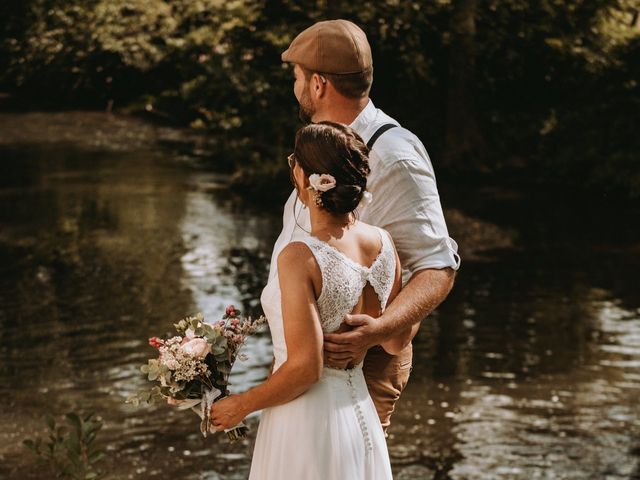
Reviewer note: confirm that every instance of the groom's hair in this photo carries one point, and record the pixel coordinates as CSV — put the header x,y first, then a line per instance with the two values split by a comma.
x,y
336,149
350,85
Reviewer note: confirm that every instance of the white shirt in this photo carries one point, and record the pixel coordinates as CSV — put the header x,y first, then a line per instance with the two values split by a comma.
x,y
405,199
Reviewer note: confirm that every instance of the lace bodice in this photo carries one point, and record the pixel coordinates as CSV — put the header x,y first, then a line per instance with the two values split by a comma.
x,y
342,283
344,279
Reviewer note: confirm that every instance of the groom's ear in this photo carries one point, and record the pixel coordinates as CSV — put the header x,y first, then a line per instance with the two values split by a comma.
x,y
318,85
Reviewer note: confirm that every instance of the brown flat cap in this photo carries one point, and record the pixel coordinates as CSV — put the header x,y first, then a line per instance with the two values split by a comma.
x,y
333,46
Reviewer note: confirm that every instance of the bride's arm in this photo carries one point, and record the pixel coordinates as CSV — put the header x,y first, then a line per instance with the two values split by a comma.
x,y
303,337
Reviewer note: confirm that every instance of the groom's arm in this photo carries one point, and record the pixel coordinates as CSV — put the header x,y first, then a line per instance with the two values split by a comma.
x,y
425,291
406,203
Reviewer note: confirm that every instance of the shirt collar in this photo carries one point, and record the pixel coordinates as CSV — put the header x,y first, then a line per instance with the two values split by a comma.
x,y
364,118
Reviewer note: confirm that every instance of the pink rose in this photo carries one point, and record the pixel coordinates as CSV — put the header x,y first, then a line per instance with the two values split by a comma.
x,y
196,347
231,311
156,342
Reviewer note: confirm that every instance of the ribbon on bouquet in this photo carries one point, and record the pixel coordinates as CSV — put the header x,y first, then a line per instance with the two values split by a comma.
x,y
202,408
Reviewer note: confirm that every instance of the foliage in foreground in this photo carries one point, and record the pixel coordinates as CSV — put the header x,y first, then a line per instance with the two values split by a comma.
x,y
70,450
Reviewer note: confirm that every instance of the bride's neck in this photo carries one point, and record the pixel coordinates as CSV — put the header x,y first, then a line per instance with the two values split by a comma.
x,y
321,220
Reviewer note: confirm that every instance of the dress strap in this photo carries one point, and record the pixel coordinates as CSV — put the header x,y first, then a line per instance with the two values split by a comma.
x,y
383,270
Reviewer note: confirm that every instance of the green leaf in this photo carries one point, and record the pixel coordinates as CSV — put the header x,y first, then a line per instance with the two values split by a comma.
x,y
224,367
30,444
74,421
96,456
72,444
221,357
48,419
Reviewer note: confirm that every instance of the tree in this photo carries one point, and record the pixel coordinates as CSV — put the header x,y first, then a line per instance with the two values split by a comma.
x,y
465,147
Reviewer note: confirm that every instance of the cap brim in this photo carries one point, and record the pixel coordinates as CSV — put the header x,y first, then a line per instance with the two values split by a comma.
x,y
286,56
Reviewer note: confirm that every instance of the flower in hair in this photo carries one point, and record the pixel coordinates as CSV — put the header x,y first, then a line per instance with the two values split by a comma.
x,y
366,199
321,183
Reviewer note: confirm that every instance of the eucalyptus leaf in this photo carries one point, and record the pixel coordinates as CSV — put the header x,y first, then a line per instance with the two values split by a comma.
x,y
224,368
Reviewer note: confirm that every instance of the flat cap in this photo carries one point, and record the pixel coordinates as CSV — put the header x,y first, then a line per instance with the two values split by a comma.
x,y
332,46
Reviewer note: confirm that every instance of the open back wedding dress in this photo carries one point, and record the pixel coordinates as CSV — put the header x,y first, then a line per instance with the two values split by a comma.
x,y
332,431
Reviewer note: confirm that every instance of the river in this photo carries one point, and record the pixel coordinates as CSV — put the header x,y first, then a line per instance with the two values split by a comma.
x,y
111,230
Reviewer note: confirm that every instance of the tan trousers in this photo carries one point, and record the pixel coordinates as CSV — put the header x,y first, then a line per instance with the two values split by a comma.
x,y
386,376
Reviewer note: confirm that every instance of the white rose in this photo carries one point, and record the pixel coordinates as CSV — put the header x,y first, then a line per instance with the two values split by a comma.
x,y
197,348
322,183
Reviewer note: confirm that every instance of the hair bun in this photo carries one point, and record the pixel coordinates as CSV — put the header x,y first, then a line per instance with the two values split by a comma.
x,y
334,149
342,198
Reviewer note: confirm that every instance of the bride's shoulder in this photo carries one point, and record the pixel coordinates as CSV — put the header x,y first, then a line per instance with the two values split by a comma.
x,y
297,265
371,232
375,239
296,253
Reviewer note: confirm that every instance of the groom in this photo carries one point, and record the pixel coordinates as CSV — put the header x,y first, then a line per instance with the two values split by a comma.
x,y
333,72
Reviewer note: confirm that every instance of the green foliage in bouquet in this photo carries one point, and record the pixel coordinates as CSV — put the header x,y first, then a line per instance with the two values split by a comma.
x,y
69,451
193,367
182,375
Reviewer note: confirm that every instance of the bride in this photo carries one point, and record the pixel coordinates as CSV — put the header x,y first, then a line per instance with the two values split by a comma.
x,y
320,423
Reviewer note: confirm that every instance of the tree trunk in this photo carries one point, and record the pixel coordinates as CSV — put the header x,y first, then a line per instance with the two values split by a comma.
x,y
465,146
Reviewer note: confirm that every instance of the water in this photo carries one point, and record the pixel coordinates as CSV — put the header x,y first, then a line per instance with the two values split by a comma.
x,y
108,234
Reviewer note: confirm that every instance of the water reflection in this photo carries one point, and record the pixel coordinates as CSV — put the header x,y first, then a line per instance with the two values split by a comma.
x,y
225,263
530,370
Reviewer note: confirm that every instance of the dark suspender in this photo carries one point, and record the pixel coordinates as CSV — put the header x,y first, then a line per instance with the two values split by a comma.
x,y
380,131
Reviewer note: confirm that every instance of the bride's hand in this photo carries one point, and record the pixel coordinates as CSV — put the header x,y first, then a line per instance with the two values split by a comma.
x,y
228,412
174,402
343,361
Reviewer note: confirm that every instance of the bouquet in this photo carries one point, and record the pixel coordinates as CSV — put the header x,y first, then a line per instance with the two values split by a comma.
x,y
193,367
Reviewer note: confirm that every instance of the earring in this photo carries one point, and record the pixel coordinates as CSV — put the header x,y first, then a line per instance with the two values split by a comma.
x,y
316,196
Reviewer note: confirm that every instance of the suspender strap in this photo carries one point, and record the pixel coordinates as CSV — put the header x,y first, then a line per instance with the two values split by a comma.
x,y
380,131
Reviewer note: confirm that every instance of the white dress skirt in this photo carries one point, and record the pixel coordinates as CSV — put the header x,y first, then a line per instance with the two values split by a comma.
x,y
332,431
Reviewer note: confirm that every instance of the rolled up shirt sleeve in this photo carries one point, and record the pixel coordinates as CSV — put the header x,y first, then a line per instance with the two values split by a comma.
x,y
406,203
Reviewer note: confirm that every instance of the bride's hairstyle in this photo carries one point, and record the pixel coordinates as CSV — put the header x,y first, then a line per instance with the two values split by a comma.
x,y
335,149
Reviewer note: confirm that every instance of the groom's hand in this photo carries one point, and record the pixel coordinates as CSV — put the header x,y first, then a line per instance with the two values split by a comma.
x,y
342,349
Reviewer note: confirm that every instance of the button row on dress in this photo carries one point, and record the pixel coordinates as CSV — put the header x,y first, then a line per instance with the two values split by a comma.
x,y
359,415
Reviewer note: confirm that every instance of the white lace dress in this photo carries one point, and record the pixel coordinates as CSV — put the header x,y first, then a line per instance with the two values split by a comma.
x,y
332,431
